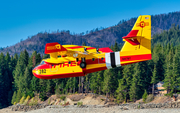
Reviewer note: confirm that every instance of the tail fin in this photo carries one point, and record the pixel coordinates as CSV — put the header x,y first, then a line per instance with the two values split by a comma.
x,y
139,38
53,49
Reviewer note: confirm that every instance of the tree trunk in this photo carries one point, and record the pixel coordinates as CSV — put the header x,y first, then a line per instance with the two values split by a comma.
x,y
106,97
79,84
99,90
82,88
82,84
153,89
88,87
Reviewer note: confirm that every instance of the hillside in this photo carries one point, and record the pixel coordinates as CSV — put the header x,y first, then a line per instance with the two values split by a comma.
x,y
97,38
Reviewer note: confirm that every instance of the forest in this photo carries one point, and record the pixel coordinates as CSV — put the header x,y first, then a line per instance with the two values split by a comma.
x,y
127,83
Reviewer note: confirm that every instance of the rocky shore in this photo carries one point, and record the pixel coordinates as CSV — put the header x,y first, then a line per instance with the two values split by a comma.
x,y
25,108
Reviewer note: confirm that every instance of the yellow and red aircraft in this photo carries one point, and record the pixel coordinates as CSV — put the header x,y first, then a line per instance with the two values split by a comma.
x,y
73,61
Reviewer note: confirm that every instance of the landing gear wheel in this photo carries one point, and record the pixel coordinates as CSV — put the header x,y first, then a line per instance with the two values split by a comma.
x,y
83,65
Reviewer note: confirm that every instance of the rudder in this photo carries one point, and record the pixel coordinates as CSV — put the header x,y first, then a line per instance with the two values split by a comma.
x,y
139,38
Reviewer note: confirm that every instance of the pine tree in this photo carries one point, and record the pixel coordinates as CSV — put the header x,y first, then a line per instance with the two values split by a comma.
x,y
49,85
176,71
138,82
35,84
93,82
125,82
154,79
20,69
169,74
4,82
107,84
14,98
19,95
144,96
99,80
26,80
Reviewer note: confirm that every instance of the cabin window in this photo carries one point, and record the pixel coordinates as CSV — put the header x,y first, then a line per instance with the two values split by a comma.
x,y
102,58
93,59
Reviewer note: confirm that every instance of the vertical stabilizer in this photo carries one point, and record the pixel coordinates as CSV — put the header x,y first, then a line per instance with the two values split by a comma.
x,y
139,38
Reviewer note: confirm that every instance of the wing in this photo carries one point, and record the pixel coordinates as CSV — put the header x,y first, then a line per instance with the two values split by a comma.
x,y
62,53
87,50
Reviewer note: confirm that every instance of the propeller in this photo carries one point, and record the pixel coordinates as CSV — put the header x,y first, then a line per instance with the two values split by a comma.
x,y
97,50
85,49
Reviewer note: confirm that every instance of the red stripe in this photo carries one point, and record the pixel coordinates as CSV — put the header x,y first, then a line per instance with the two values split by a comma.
x,y
90,48
75,47
133,62
55,76
135,57
96,61
132,33
80,47
86,71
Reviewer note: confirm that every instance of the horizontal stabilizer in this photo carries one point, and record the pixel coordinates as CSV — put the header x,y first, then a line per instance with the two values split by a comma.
x,y
105,50
131,34
54,47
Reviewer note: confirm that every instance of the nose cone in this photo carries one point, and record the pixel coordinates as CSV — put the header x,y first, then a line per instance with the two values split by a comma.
x,y
35,71
40,71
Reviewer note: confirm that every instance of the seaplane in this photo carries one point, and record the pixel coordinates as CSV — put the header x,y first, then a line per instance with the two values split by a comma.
x,y
74,61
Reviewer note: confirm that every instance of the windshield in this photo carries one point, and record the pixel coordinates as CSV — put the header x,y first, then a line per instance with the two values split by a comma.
x,y
42,63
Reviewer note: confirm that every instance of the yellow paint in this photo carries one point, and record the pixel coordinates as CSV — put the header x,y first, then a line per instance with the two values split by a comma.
x,y
143,24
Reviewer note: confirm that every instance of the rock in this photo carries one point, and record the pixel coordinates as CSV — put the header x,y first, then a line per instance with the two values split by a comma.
x,y
125,108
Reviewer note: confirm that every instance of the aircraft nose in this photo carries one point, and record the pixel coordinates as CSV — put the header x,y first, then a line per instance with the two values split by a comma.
x,y
35,70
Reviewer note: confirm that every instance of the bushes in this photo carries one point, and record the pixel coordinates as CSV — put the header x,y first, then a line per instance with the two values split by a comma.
x,y
149,98
58,93
63,97
43,96
79,103
22,100
30,93
26,101
33,102
49,101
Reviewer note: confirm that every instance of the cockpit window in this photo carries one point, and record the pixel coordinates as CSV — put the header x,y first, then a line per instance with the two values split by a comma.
x,y
42,63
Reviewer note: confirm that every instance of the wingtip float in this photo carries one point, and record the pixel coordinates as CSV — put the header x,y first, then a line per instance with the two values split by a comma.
x,y
73,61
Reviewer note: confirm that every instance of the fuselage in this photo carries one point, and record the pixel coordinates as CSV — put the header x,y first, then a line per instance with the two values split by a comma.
x,y
94,63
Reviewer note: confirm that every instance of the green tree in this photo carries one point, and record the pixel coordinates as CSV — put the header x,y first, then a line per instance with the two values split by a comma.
x,y
154,79
144,96
19,95
176,71
13,98
107,84
169,74
125,83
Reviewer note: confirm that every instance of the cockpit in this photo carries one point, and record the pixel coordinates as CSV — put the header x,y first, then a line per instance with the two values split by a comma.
x,y
42,62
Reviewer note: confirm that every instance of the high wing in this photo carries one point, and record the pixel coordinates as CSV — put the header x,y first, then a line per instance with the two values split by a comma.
x,y
67,53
